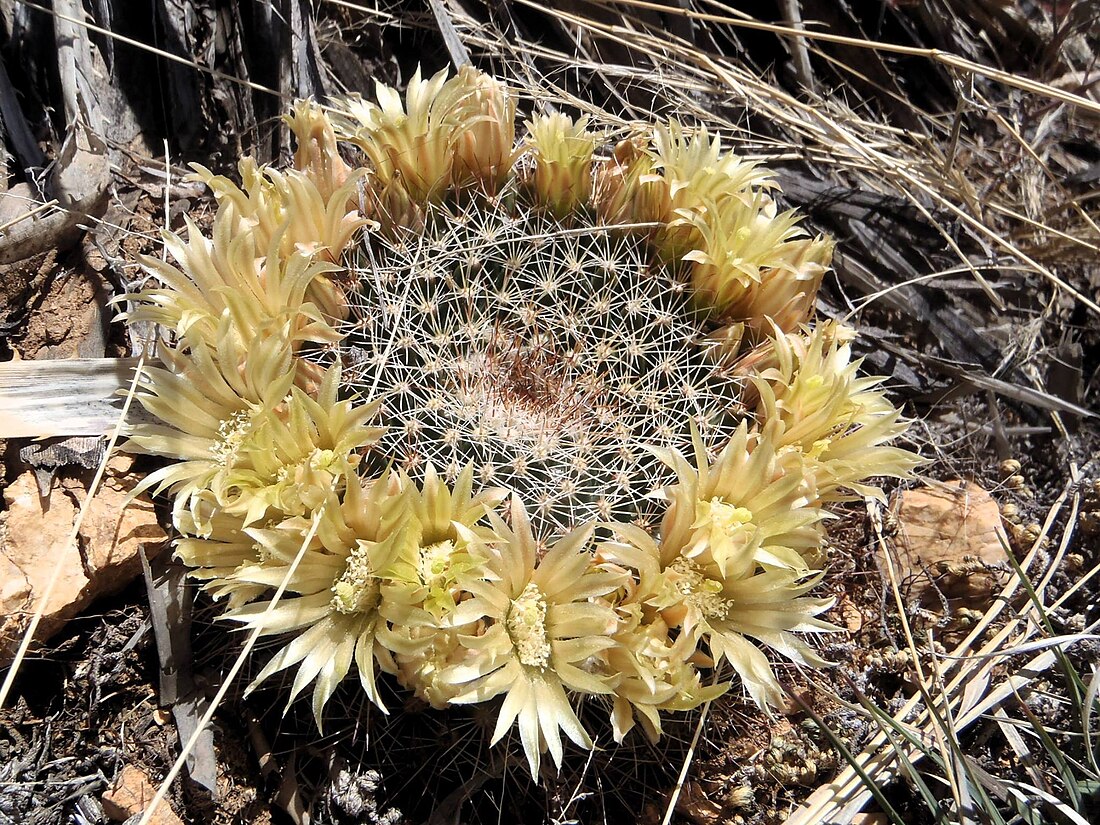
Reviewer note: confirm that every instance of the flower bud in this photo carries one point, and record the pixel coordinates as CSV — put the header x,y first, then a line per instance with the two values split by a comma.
x,y
562,152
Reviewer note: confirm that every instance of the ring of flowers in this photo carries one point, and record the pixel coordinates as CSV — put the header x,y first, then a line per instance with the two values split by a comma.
x,y
443,582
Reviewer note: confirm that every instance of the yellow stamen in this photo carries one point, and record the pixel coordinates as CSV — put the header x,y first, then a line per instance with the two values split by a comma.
x,y
356,591
700,591
233,432
527,626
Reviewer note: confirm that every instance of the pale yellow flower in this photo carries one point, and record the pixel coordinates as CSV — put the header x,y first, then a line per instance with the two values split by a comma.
x,y
426,655
335,590
201,410
288,211
299,450
448,134
737,246
544,632
226,294
712,210
697,170
698,181
813,400
353,586
678,181
724,609
440,524
656,668
768,607
562,154
484,130
271,447
440,541
408,144
784,297
214,546
730,560
752,506
316,155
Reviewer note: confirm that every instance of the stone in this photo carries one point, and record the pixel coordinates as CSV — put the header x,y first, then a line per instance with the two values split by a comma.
x,y
35,533
695,805
949,545
131,794
850,614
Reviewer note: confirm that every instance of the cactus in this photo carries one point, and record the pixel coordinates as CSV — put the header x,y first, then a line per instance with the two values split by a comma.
x,y
446,395
552,360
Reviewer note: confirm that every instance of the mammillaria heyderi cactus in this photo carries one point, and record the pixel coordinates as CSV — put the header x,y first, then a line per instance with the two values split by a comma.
x,y
541,420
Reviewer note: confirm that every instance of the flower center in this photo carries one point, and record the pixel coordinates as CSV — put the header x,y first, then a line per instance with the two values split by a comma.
x,y
722,516
356,591
434,561
729,531
698,590
231,435
318,461
526,625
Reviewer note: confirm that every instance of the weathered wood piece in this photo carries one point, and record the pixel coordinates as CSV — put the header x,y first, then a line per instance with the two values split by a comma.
x,y
210,111
13,125
455,48
80,396
170,611
78,190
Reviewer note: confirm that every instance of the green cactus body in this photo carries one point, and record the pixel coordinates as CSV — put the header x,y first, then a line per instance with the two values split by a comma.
x,y
549,357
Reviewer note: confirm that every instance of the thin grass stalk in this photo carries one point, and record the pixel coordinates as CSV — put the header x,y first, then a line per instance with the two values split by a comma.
x,y
843,797
1069,780
55,572
936,55
1091,696
945,739
238,663
890,726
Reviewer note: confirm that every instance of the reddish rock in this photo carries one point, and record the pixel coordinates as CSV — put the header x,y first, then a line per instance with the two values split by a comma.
x,y
131,794
850,614
35,535
949,544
